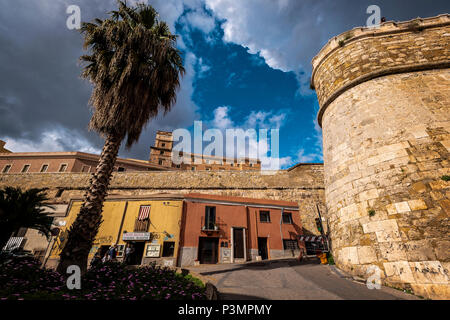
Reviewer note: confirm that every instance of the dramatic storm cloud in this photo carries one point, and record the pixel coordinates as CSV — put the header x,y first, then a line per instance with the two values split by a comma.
x,y
252,56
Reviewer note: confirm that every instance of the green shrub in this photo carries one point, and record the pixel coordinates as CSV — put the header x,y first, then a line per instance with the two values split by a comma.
x,y
23,279
330,259
445,178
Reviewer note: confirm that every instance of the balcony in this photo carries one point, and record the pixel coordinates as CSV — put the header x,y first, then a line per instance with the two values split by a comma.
x,y
209,226
141,225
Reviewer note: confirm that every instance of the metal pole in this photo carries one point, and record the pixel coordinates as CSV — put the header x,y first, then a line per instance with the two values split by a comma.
x,y
322,229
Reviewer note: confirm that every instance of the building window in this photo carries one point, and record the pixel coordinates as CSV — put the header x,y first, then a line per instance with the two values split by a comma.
x,y
210,218
120,250
121,169
85,169
178,166
25,168
168,249
208,169
163,144
290,244
161,152
44,168
193,168
264,216
160,162
287,217
63,168
6,168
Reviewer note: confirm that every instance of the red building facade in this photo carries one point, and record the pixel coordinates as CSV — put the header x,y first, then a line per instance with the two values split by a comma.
x,y
222,229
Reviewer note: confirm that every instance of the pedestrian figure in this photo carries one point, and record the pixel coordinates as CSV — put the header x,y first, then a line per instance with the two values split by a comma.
x,y
96,259
112,253
128,251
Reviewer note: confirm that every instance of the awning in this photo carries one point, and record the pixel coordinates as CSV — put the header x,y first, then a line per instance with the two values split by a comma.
x,y
13,243
311,238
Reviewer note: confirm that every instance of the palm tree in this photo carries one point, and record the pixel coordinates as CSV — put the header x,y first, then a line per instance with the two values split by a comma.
x,y
135,70
23,209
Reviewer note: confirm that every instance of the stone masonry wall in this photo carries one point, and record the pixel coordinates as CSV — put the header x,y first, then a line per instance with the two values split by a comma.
x,y
362,54
386,151
304,184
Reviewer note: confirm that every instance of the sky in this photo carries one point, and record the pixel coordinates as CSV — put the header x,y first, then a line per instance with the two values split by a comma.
x,y
248,65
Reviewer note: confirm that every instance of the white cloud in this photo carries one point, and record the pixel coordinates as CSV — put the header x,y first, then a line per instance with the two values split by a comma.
x,y
199,19
55,140
256,147
282,32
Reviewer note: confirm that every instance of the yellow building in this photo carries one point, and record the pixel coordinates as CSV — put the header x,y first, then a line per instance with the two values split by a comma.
x,y
151,225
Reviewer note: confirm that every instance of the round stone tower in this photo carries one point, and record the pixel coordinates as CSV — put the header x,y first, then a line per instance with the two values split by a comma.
x,y
384,95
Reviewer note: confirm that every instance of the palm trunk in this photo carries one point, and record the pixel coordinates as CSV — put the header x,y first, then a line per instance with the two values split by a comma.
x,y
85,227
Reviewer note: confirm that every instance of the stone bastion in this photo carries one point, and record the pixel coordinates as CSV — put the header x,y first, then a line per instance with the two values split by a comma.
x,y
384,95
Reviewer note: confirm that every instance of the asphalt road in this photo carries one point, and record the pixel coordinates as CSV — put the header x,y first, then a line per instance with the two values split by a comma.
x,y
290,280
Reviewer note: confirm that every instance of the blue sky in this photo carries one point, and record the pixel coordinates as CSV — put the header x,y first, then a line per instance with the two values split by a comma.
x,y
247,62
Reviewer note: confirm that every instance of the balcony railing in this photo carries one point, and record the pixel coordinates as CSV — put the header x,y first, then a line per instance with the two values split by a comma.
x,y
141,225
210,226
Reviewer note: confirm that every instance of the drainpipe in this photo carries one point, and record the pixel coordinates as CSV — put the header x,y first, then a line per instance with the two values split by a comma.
x,y
121,223
281,232
181,233
247,248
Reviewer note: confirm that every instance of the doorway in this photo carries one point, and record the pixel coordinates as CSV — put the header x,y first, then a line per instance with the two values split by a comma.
x,y
207,250
238,243
103,250
136,256
262,248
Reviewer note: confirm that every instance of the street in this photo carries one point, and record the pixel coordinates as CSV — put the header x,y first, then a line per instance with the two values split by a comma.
x,y
289,280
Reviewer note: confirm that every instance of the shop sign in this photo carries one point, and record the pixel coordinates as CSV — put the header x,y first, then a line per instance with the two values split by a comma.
x,y
136,236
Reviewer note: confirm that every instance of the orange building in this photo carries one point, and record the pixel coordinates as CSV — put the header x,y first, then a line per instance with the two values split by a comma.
x,y
35,162
223,229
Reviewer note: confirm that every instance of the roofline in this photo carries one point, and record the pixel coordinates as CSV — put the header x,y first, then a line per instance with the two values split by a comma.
x,y
75,155
305,164
203,198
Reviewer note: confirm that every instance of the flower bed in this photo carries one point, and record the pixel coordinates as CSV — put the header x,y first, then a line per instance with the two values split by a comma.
x,y
22,278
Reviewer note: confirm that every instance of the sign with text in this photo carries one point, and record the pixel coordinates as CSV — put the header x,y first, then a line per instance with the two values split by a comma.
x,y
153,250
142,236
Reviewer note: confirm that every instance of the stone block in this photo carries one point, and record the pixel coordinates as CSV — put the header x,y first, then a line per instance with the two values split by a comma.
x,y
388,236
399,271
368,195
429,272
419,187
393,251
350,255
442,250
384,225
391,209
366,255
402,207
446,144
417,205
420,250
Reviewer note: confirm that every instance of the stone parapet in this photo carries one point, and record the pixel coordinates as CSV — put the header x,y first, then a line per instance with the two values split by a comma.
x,y
363,54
